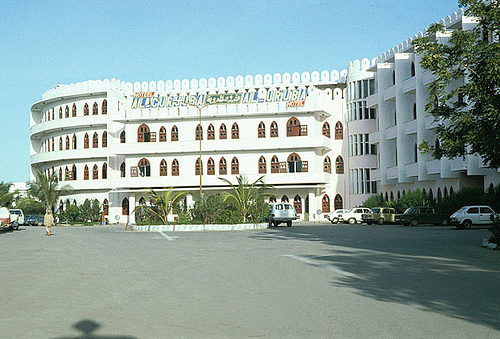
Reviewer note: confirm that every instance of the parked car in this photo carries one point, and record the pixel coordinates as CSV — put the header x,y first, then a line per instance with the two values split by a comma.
x,y
7,219
32,219
19,213
335,216
353,215
281,212
422,215
380,215
467,216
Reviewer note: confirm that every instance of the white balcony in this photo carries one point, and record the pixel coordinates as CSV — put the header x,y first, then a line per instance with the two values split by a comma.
x,y
372,101
70,155
392,172
430,122
391,132
67,124
427,77
390,93
411,127
433,166
408,86
458,164
411,170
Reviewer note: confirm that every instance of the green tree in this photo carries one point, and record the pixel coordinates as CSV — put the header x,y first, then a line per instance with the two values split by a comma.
x,y
47,190
90,211
6,197
375,201
467,112
212,209
247,198
161,204
30,205
413,198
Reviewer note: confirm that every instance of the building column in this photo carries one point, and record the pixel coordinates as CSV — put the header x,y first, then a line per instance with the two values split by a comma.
x,y
131,207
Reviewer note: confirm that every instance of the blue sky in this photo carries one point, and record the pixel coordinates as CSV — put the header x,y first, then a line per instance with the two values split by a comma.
x,y
45,43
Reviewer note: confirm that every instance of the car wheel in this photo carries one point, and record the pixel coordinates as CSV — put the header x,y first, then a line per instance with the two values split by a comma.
x,y
352,221
445,222
414,222
467,224
369,222
335,220
406,224
380,221
15,226
270,224
289,223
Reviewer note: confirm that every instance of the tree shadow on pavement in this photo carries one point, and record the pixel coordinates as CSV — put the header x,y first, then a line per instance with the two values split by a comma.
x,y
424,273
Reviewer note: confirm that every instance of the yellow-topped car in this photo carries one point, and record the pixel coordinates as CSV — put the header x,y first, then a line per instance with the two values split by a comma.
x,y
380,215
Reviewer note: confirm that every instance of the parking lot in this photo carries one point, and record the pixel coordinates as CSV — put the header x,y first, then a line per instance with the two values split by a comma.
x,y
317,281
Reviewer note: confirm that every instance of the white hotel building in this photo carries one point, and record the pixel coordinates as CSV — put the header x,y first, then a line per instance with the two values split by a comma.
x,y
324,140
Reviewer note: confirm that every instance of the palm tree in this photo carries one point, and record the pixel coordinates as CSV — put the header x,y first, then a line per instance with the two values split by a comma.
x,y
6,197
47,190
161,204
245,196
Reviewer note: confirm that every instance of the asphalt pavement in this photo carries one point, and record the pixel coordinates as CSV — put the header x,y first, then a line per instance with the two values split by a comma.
x,y
307,281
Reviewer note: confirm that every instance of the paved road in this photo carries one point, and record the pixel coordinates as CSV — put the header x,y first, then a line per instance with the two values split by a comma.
x,y
318,281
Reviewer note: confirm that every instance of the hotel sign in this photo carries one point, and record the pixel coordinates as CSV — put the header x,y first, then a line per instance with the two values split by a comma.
x,y
292,97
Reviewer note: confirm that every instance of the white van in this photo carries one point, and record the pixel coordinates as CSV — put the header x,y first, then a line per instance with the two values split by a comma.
x,y
8,220
281,212
19,213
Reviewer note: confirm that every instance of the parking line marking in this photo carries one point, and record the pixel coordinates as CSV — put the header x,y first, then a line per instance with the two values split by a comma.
x,y
166,236
314,263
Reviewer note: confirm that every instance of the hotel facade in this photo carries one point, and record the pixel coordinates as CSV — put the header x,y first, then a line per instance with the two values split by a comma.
x,y
324,140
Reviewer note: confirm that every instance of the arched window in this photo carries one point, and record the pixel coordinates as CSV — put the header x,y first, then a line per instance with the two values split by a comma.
x,y
163,168
431,194
122,170
52,113
262,165
272,198
95,140
104,139
60,174
67,142
198,167
95,172
86,109
122,137
144,167
261,132
412,69
222,166
74,141
275,165
235,131
199,132
393,77
445,192
325,204
210,167
104,108
294,163
284,198
211,132
175,167
125,206
66,112
163,134
293,127
439,195
326,129
174,133
327,165
86,141
53,149
86,173
73,111
61,206
95,109
339,165
60,113
235,166
222,132
73,172
60,144
105,207
297,203
415,153
274,129
339,131
143,133
414,110
104,171
338,202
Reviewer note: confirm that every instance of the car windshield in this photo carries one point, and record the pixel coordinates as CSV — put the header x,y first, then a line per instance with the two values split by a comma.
x,y
461,209
15,212
375,210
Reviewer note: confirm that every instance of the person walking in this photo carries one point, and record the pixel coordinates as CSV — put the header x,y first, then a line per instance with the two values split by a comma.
x,y
48,221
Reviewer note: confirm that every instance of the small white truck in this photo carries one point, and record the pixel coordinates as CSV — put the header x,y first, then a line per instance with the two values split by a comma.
x,y
8,220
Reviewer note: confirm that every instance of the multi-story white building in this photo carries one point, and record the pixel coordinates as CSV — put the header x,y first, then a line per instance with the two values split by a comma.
x,y
112,140
386,101
324,140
